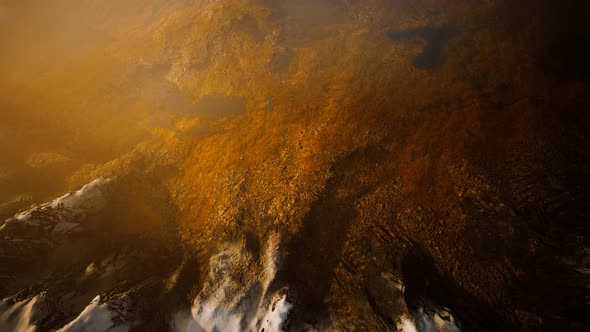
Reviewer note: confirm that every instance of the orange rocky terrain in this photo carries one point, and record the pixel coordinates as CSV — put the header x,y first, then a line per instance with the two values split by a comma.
x,y
294,165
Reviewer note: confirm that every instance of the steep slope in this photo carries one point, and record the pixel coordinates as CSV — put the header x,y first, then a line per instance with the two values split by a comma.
x,y
308,165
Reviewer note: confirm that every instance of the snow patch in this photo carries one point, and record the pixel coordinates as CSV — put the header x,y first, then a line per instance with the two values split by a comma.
x,y
89,269
18,316
60,215
232,300
84,199
405,324
434,321
440,320
276,315
95,317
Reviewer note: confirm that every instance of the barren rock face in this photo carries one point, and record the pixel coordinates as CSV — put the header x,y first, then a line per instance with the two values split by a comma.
x,y
294,165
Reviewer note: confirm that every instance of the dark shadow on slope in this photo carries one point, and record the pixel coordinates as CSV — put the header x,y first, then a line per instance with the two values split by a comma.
x,y
313,256
219,106
564,50
426,286
157,306
432,55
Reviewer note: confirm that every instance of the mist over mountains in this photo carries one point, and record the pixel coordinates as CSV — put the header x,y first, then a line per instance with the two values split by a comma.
x,y
274,165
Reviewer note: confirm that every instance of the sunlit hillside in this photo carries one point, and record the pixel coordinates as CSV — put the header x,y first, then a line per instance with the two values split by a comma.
x,y
313,165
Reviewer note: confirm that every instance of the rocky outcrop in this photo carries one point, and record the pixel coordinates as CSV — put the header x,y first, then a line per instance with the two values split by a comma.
x,y
364,165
